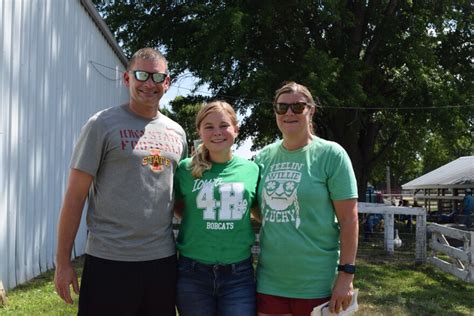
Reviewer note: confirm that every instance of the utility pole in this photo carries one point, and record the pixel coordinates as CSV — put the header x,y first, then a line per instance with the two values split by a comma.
x,y
389,190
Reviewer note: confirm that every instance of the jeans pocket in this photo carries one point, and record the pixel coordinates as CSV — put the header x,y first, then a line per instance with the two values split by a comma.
x,y
244,268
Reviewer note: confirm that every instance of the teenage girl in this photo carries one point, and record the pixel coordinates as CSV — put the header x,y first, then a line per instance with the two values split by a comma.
x,y
214,193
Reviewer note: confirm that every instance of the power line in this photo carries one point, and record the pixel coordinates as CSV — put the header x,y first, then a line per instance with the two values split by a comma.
x,y
340,107
399,108
95,64
243,99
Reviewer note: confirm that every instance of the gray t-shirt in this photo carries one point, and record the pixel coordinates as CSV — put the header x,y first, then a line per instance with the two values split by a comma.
x,y
132,160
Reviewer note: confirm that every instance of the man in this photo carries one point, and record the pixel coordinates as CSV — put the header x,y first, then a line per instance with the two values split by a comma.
x,y
125,159
468,206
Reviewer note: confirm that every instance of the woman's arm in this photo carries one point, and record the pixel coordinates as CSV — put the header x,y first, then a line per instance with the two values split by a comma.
x,y
256,214
178,208
346,213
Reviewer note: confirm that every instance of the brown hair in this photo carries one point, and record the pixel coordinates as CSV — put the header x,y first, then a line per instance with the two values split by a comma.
x,y
293,87
200,161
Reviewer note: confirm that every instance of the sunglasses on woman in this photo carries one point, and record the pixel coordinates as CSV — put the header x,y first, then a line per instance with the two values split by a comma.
x,y
297,108
143,76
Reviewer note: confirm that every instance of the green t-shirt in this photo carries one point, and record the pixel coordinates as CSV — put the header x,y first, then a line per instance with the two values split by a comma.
x,y
299,238
216,224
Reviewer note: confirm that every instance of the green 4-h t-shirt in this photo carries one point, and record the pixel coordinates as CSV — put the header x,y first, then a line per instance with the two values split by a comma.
x,y
216,224
299,238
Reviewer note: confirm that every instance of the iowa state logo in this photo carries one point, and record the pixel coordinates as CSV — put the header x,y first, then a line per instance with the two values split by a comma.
x,y
155,161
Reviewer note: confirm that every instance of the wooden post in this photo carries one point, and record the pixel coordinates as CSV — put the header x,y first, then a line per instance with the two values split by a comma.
x,y
3,295
455,203
427,199
389,186
469,247
420,248
439,202
388,232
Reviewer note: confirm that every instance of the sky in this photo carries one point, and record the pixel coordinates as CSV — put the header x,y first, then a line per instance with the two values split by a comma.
x,y
182,88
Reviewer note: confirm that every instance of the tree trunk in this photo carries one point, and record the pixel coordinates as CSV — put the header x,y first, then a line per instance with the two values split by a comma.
x,y
358,139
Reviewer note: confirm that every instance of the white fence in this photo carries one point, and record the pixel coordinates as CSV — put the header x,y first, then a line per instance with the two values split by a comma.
x,y
388,213
461,255
52,78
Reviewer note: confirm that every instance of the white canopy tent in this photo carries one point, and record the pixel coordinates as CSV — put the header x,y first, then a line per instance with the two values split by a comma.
x,y
458,174
443,191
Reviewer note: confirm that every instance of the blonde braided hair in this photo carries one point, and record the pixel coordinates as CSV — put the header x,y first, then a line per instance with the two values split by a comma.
x,y
201,161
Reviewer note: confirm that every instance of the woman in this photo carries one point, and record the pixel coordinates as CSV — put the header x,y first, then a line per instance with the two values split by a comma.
x,y
214,193
307,195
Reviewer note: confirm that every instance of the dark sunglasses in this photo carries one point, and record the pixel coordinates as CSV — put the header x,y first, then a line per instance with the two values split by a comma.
x,y
297,108
143,76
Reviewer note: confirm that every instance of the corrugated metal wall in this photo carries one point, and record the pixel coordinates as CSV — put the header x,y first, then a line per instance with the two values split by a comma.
x,y
52,78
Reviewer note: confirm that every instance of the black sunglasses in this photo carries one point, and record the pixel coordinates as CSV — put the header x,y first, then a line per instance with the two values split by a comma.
x,y
297,108
143,76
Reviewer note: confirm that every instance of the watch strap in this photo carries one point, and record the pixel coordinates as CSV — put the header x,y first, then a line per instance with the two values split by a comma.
x,y
347,268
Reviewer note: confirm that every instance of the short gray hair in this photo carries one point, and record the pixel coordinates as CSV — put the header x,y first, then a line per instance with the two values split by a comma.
x,y
147,53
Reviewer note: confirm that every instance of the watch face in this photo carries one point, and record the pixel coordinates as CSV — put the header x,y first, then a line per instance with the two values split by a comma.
x,y
348,268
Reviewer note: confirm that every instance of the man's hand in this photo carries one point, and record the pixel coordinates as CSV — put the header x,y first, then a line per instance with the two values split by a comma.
x,y
69,220
64,276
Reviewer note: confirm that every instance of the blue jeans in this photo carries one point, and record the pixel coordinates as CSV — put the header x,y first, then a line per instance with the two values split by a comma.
x,y
215,289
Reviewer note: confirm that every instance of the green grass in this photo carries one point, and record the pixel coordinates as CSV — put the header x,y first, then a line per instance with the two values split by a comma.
x,y
403,288
38,297
385,288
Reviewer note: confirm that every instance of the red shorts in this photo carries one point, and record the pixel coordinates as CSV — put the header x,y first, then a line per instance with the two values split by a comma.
x,y
271,304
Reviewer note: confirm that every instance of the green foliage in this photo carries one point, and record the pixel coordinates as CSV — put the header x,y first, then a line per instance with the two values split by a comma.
x,y
439,150
184,110
383,70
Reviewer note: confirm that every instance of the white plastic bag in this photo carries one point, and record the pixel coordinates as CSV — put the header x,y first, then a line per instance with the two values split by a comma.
x,y
323,309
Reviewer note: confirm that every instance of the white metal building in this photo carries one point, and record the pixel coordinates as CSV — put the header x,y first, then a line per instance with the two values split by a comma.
x,y
59,64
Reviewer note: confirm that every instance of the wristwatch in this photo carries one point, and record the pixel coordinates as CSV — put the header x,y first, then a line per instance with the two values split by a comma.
x,y
347,268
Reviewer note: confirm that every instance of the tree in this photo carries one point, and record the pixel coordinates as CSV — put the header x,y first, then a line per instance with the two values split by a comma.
x,y
184,110
373,64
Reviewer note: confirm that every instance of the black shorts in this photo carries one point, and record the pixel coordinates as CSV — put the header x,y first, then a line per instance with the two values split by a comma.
x,y
128,288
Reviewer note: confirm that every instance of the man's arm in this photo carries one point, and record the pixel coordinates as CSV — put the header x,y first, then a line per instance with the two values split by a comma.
x,y
346,212
76,193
